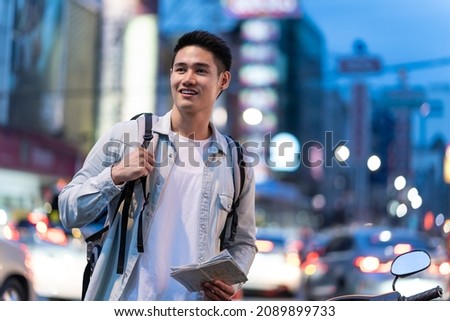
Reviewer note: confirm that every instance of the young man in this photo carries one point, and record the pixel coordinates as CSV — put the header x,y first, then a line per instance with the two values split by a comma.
x,y
190,185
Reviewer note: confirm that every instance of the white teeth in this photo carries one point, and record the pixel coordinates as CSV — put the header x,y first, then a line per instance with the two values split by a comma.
x,y
189,92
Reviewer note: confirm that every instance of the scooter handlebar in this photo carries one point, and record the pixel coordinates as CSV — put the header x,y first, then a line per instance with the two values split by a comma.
x,y
427,295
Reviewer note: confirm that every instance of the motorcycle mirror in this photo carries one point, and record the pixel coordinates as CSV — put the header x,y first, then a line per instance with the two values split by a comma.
x,y
410,263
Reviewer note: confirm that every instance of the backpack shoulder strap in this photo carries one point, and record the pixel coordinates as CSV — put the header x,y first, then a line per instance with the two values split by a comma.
x,y
125,197
128,191
148,136
148,133
240,162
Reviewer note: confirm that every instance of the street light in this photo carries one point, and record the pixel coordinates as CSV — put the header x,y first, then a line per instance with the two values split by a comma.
x,y
399,183
252,116
402,210
374,163
220,116
342,153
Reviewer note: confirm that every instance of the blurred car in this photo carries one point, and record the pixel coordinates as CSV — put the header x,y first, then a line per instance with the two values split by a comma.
x,y
276,268
16,278
57,256
357,260
58,270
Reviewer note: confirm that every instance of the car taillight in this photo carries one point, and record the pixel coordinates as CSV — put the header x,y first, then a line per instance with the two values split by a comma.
x,y
312,265
444,268
311,268
36,217
312,256
264,246
11,233
56,235
371,264
440,268
293,258
402,248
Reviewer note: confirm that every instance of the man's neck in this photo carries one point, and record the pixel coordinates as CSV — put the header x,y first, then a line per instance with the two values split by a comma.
x,y
196,128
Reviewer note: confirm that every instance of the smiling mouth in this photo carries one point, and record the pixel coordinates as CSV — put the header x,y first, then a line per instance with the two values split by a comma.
x,y
188,92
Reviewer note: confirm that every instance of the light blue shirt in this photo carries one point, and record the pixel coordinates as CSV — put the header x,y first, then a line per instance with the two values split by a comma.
x,y
92,189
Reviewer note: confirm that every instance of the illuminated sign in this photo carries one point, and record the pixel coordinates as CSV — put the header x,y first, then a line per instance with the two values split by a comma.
x,y
260,30
264,53
262,8
258,75
261,98
284,152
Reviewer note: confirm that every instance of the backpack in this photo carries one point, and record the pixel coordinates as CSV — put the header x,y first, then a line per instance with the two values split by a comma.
x,y
94,242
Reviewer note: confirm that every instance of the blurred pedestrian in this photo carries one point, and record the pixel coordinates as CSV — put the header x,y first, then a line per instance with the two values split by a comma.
x,y
190,192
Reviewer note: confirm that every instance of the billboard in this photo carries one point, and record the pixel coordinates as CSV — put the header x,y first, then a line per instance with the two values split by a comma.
x,y
246,9
36,65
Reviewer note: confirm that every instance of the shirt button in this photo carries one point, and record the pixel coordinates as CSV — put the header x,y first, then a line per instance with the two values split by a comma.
x,y
213,150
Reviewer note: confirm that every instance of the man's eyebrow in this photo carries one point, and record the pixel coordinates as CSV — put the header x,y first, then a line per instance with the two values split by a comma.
x,y
197,64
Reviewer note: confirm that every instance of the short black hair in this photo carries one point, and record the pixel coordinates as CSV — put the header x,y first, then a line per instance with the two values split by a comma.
x,y
206,40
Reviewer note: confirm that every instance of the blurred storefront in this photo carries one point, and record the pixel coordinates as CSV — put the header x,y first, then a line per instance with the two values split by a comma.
x,y
47,96
30,167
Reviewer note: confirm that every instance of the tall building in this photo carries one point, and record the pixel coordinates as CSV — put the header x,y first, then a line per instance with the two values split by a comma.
x,y
47,96
302,106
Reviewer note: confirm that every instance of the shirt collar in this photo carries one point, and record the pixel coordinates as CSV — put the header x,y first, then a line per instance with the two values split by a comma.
x,y
162,127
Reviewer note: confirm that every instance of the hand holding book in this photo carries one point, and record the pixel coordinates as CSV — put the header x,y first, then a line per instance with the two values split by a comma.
x,y
221,267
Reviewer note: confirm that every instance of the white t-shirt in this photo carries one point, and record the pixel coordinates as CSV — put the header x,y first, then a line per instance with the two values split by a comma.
x,y
172,240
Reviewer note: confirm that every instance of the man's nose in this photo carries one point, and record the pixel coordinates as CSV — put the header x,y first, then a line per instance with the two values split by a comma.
x,y
189,77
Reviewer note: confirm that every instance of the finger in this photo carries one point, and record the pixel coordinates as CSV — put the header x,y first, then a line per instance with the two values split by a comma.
x,y
214,294
141,158
217,293
145,157
150,159
227,289
211,291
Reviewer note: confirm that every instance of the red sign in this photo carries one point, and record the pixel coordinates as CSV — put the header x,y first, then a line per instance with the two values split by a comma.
x,y
245,9
37,154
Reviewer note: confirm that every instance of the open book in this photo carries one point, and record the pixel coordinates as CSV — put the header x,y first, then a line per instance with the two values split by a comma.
x,y
221,267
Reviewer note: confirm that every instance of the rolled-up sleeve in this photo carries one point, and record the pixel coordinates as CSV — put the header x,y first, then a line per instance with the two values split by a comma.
x,y
92,187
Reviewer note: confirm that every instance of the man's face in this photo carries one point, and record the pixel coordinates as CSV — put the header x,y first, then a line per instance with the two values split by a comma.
x,y
195,81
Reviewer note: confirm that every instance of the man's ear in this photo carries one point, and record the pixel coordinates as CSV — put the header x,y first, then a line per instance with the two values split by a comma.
x,y
225,80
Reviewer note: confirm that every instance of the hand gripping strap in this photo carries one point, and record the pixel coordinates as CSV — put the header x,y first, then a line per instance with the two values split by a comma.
x,y
128,190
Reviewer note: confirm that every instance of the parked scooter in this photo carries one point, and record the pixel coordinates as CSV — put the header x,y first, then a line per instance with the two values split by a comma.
x,y
404,265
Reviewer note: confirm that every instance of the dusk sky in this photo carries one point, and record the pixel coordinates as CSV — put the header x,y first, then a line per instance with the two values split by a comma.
x,y
400,31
